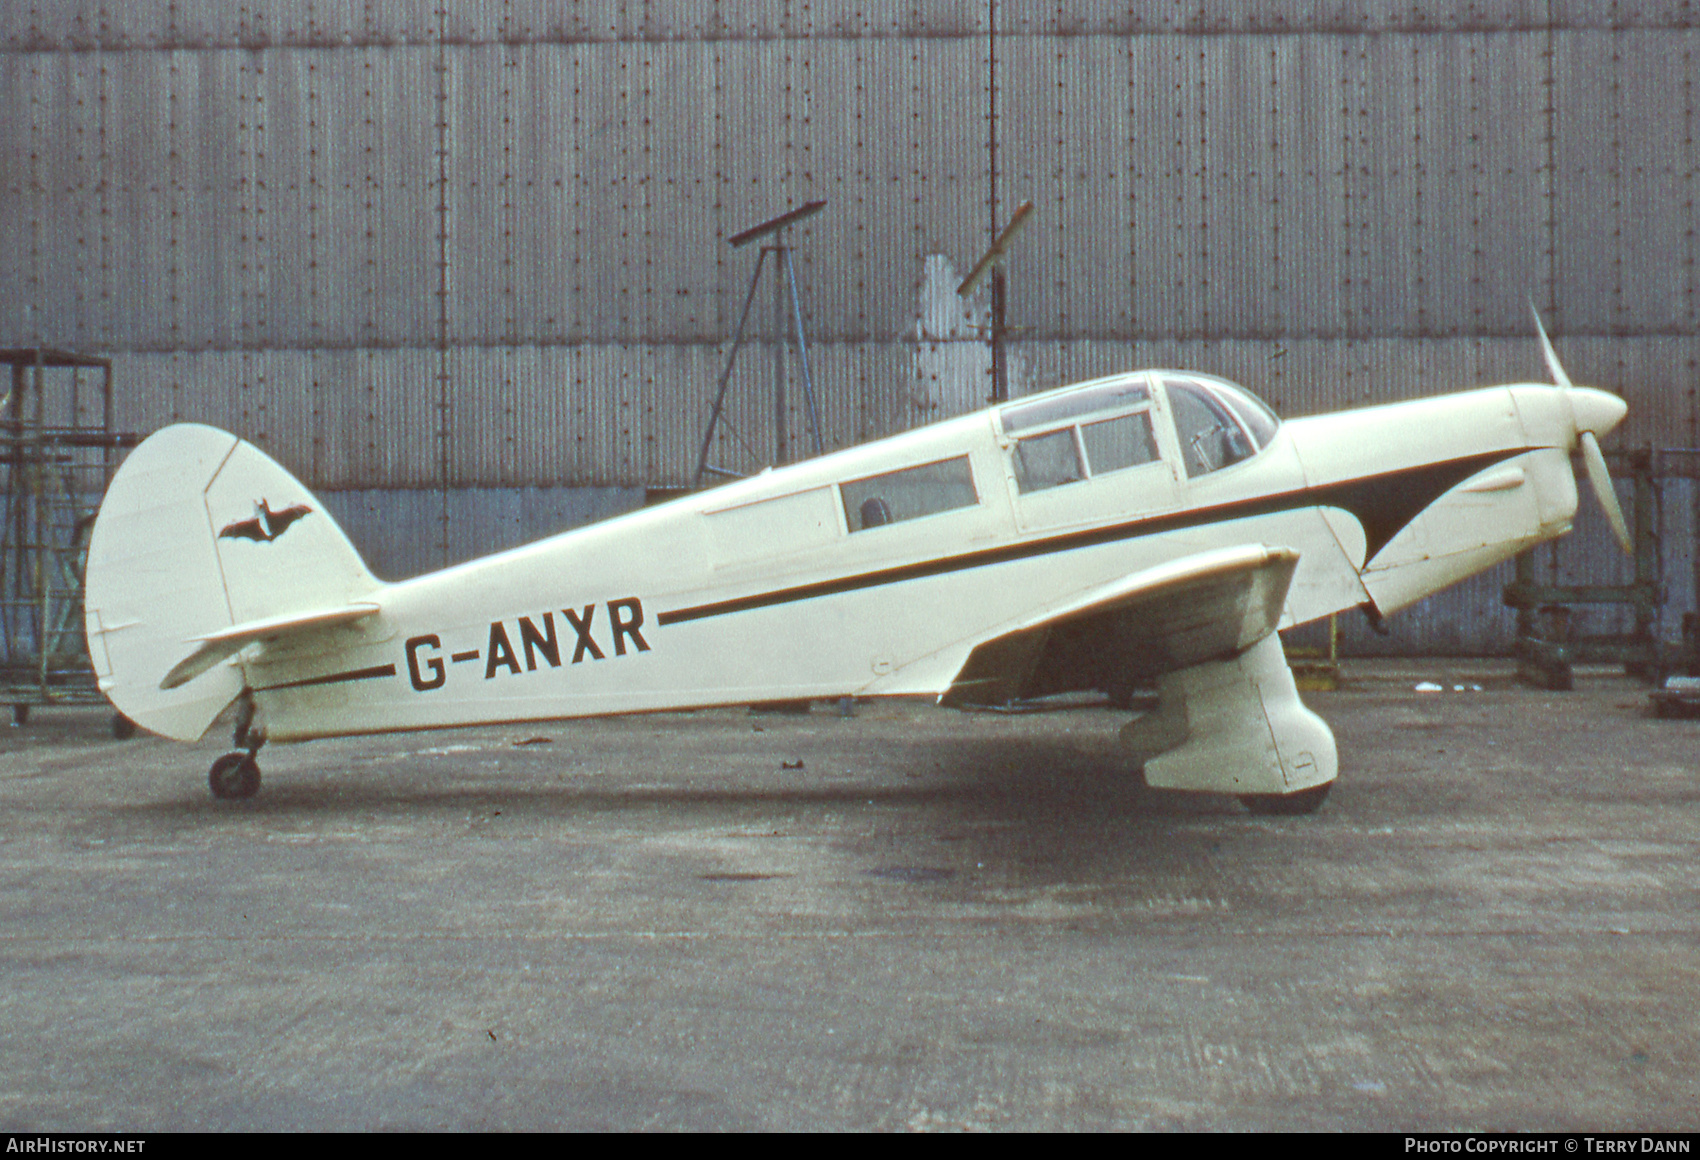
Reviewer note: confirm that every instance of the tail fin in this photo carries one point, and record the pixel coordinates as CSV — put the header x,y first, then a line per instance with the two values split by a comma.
x,y
200,532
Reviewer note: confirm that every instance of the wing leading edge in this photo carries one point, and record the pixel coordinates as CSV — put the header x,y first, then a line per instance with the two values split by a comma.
x,y
1206,607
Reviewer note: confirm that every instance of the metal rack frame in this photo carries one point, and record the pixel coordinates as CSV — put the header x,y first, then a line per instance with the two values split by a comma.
x,y
1546,652
57,454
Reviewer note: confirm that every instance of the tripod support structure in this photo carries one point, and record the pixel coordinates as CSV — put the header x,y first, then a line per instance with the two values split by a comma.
x,y
785,302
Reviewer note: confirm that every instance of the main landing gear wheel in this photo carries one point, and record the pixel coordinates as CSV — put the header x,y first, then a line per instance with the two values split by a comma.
x,y
235,775
1306,801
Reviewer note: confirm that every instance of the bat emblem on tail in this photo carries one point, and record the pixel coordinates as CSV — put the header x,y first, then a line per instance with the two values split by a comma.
x,y
266,525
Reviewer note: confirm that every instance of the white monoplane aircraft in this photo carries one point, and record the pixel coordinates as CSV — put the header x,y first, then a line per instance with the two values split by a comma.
x,y
1159,525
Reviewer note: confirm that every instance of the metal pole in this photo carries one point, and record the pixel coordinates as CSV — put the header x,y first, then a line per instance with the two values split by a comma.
x,y
803,353
39,547
1000,384
444,412
992,118
781,255
109,453
1648,564
726,371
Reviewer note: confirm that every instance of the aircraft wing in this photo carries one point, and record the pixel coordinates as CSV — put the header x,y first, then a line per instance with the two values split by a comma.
x,y
1208,606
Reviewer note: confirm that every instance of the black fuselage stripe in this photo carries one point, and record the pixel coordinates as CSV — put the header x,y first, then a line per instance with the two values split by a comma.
x,y
370,674
1383,504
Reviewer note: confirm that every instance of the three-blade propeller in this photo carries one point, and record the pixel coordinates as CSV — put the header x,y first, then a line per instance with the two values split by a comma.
x,y
1595,461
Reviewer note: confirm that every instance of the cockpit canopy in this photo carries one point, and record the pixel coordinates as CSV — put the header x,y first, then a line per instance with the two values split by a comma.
x,y
1217,423
1105,426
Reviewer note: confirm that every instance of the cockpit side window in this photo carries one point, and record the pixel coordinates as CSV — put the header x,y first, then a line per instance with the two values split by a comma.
x,y
1114,444
1211,437
1073,435
908,494
1043,461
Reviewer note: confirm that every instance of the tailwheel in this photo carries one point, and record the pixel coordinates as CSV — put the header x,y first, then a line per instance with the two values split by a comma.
x,y
1305,801
235,775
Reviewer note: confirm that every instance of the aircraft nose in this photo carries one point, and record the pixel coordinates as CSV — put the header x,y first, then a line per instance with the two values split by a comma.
x,y
1596,410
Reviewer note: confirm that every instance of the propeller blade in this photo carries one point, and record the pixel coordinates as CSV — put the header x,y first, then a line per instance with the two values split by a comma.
x,y
1601,479
1595,461
1554,367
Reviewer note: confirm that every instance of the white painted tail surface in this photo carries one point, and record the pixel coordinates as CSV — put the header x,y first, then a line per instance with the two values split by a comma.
x,y
200,532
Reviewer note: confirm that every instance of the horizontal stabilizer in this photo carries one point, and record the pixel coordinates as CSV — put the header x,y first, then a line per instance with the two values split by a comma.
x,y
1208,606
215,646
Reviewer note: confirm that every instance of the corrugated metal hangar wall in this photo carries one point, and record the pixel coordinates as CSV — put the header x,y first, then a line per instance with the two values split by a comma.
x,y
477,249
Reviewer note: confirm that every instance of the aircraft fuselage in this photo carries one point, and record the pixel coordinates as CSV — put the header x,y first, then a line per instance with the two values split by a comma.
x,y
873,571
